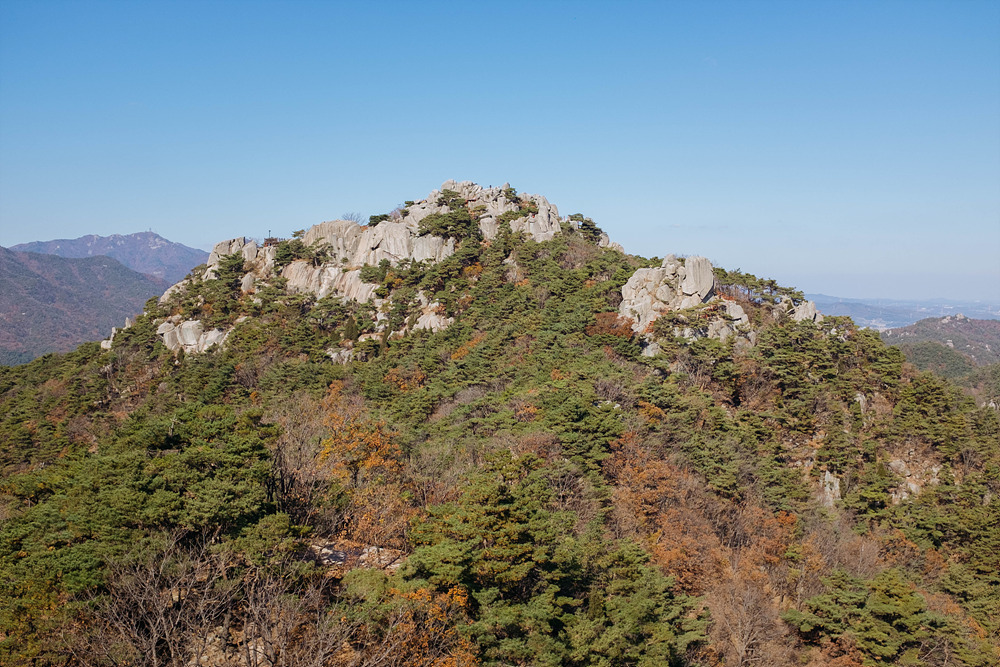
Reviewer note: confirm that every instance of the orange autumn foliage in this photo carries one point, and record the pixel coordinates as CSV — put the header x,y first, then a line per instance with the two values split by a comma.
x,y
379,515
405,380
610,324
468,346
357,447
421,631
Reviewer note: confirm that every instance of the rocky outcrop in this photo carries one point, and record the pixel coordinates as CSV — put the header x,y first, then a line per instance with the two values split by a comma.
x,y
829,491
190,336
352,245
674,285
604,241
805,312
432,316
349,246
340,355
493,202
328,279
107,342
687,287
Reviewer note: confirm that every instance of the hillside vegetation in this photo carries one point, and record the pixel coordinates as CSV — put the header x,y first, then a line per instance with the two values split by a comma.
x,y
52,304
527,482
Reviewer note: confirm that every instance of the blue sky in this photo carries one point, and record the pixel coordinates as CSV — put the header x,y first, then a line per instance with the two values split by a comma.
x,y
850,148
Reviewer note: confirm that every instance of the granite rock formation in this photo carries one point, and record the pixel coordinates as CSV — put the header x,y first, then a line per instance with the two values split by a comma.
x,y
682,285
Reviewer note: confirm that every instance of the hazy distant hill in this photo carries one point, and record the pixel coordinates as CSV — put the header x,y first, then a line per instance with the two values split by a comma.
x,y
979,340
145,252
959,348
884,314
50,303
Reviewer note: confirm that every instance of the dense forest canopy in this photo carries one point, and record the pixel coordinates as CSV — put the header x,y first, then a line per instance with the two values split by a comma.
x,y
521,487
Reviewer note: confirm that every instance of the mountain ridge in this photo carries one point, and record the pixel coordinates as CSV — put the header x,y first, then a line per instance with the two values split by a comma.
x,y
145,252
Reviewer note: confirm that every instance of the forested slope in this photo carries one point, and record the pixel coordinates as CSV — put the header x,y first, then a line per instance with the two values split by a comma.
x,y
520,487
50,303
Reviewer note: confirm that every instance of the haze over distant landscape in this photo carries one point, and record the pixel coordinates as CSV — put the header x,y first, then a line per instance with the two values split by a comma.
x,y
844,148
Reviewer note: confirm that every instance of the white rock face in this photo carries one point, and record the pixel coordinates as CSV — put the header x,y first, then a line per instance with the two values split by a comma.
x,y
605,242
806,312
541,226
190,336
678,286
699,280
340,355
432,317
247,283
829,489
354,246
672,286
328,279
173,289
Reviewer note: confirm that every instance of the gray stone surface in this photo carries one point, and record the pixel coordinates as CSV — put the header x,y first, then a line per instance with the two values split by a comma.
x,y
674,285
190,336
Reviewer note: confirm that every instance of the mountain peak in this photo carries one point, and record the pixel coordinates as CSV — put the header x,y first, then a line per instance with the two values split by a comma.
x,y
145,252
353,261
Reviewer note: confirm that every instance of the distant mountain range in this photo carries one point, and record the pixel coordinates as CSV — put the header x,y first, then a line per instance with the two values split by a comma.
x,y
978,340
145,252
50,303
956,347
885,314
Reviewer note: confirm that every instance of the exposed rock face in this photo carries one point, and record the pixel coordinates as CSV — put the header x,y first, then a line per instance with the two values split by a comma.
x,y
806,312
680,285
432,316
354,246
674,285
829,489
107,342
699,280
190,336
541,226
328,279
340,355
605,242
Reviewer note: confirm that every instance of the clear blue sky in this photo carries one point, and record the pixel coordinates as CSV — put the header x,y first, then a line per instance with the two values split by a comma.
x,y
850,148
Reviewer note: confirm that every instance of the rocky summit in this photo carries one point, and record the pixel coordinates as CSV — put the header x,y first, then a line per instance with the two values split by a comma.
x,y
342,248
